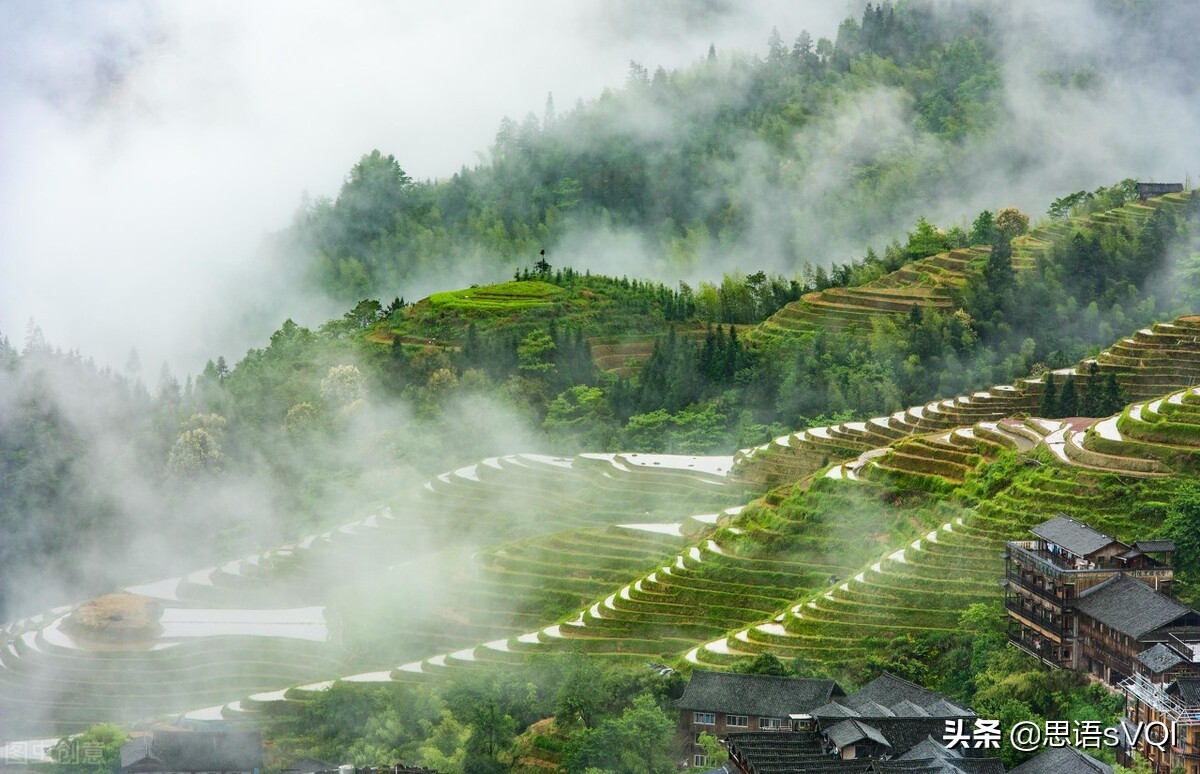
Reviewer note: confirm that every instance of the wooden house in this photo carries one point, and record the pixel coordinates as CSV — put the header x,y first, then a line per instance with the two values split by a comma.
x,y
1044,578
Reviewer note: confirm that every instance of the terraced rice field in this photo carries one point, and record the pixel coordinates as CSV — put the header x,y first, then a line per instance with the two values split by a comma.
x,y
926,584
931,283
1149,363
825,575
637,556
624,355
928,283
1151,437
530,534
503,298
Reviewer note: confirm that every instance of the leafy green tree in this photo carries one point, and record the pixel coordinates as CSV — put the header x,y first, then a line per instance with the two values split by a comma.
x,y
1112,396
983,230
343,385
95,751
364,314
301,420
367,205
583,695
583,415
535,354
637,742
1183,527
1091,404
194,453
1011,222
715,753
925,240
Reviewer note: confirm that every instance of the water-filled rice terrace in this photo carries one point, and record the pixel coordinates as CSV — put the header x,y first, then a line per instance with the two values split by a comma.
x,y
483,552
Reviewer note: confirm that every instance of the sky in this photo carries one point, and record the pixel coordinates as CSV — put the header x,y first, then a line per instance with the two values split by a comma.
x,y
147,149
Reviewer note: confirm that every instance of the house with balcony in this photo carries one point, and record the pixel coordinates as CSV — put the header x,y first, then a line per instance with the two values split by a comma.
x,y
1045,577
1176,704
1118,620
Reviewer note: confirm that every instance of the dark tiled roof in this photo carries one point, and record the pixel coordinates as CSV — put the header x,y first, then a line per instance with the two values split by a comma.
x,y
834,709
135,750
1074,536
1157,189
196,750
948,709
873,709
932,757
1188,690
1156,546
848,732
930,748
906,708
980,766
891,691
907,733
1160,658
1129,606
760,695
1062,760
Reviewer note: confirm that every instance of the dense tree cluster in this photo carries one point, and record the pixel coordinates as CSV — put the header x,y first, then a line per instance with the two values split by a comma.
x,y
674,159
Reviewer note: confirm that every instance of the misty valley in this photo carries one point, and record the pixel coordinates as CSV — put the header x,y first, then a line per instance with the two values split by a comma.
x,y
774,412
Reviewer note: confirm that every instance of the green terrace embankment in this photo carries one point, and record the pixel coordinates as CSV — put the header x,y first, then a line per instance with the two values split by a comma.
x,y
1152,361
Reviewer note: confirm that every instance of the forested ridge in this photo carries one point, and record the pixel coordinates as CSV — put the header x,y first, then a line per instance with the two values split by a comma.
x,y
718,159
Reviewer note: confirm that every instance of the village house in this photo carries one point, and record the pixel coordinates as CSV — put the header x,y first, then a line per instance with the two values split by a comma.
x,y
887,721
185,752
1078,599
723,702
1046,577
1119,620
1175,703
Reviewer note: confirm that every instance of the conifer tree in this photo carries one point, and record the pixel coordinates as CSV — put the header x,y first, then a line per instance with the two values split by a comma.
x,y
1049,397
1112,397
1090,404
1068,403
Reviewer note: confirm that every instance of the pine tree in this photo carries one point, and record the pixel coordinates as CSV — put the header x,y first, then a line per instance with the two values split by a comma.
x,y
1068,403
1112,397
471,354
1090,405
708,355
732,354
1049,398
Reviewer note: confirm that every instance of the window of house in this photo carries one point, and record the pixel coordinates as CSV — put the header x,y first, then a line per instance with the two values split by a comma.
x,y
705,718
768,724
737,721
699,760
